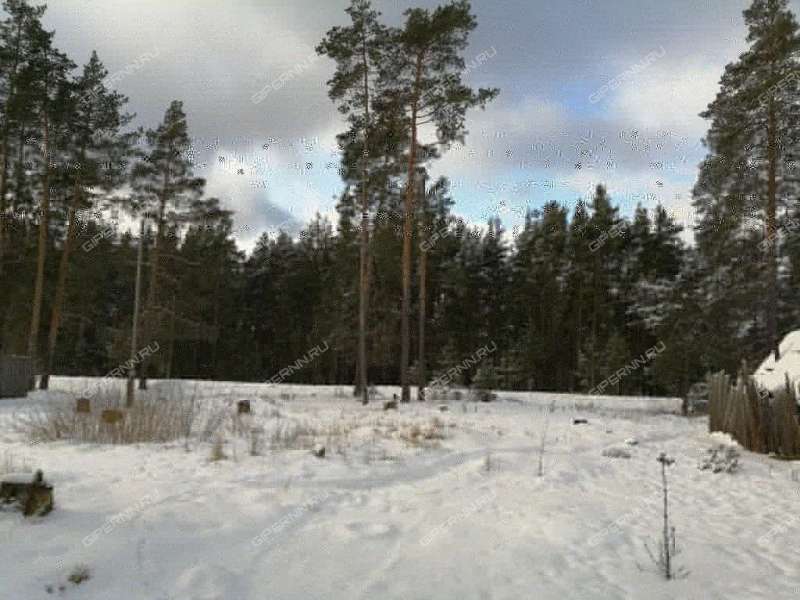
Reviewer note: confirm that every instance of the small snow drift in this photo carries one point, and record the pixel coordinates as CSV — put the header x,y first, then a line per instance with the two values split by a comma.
x,y
772,374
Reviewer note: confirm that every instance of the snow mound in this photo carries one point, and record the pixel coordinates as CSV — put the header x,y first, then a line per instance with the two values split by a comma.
x,y
772,374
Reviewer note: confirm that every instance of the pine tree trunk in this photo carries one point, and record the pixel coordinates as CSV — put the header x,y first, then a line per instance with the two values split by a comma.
x,y
423,292
137,300
36,315
3,205
171,350
215,374
58,300
408,222
595,312
578,327
152,293
772,232
363,379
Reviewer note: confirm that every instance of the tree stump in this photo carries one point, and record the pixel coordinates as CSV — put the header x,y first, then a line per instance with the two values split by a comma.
x,y
112,416
31,492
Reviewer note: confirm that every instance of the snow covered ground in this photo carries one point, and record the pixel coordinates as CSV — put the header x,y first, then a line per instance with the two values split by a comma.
x,y
389,514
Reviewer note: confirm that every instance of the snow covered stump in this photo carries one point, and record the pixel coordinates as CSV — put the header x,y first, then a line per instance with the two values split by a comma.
x,y
31,492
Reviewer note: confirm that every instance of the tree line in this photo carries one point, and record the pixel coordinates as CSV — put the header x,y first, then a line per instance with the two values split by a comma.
x,y
399,289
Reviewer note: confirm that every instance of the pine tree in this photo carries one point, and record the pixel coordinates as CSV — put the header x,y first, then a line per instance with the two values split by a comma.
x,y
461,297
493,279
433,223
608,232
754,124
578,290
15,55
164,187
45,80
93,151
550,262
357,50
423,82
206,298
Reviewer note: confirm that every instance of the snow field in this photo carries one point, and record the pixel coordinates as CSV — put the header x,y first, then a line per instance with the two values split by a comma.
x,y
412,504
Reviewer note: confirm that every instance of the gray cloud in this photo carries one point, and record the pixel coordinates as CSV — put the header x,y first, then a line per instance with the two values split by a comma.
x,y
548,58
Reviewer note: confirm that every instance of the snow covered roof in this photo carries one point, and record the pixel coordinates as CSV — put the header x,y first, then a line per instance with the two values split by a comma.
x,y
772,374
17,478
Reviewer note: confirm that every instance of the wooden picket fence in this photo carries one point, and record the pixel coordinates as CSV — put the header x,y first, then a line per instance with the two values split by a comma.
x,y
759,421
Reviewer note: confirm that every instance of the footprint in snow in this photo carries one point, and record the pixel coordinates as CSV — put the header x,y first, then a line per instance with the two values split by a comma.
x,y
371,530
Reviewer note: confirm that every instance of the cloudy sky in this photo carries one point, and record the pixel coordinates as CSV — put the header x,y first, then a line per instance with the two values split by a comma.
x,y
592,91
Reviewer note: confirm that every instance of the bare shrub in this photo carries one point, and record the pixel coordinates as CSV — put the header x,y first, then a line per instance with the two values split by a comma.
x,y
218,449
241,424
291,436
296,435
721,458
488,463
188,418
668,549
543,440
210,422
11,464
256,441
79,574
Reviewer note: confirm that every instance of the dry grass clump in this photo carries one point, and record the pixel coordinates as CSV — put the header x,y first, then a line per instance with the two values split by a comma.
x,y
79,574
256,441
427,435
218,449
163,415
297,435
10,464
